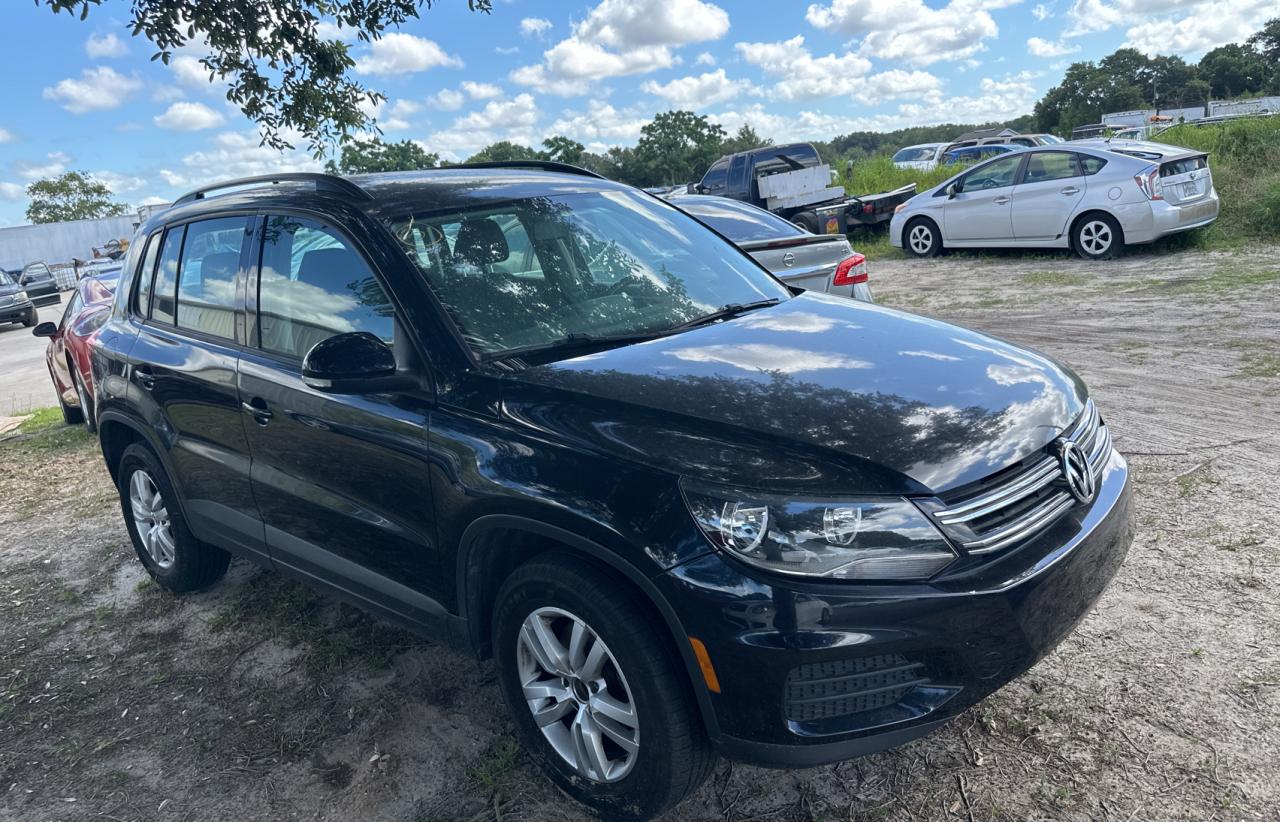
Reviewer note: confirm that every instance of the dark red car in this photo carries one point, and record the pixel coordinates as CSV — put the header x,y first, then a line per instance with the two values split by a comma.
x,y
68,353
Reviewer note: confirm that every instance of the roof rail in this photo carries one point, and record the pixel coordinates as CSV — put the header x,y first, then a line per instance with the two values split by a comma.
x,y
541,165
323,182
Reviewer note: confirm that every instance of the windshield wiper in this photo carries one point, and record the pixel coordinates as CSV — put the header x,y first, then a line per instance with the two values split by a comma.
x,y
724,312
571,342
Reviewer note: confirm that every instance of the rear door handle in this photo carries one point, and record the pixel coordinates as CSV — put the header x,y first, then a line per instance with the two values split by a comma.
x,y
1069,190
1000,200
145,378
258,408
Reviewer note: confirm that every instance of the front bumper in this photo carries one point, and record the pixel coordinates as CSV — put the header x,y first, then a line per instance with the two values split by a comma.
x,y
17,312
817,673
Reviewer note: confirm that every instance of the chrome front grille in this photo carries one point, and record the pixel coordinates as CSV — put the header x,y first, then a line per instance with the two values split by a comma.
x,y
1019,506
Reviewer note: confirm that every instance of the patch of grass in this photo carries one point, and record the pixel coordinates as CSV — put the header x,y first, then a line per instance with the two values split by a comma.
x,y
1189,484
1055,278
1227,278
1257,359
491,768
40,420
44,431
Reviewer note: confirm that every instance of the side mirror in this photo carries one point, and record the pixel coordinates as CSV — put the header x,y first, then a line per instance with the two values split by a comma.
x,y
353,363
954,189
45,329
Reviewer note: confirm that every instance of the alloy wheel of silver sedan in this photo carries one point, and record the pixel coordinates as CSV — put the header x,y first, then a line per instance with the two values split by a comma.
x,y
1096,237
921,238
151,518
578,695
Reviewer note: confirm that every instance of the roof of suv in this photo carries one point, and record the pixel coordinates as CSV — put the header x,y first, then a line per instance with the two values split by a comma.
x,y
396,192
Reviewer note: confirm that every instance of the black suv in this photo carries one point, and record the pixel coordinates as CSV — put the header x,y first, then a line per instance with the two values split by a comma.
x,y
552,419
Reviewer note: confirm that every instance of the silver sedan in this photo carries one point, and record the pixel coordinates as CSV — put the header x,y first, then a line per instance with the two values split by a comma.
x,y
1094,197
814,262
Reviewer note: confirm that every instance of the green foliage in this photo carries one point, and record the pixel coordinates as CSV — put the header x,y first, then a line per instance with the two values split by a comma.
x,y
563,150
678,146
284,76
745,140
504,151
880,174
1234,69
371,156
73,195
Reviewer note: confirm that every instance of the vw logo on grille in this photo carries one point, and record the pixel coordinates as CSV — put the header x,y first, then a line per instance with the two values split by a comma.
x,y
788,259
1076,471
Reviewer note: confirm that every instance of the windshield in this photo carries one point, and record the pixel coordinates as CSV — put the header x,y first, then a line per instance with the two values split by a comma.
x,y
608,263
915,154
740,222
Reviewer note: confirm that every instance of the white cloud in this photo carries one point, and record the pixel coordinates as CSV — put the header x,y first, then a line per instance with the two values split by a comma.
x,y
447,100
395,117
400,53
1042,12
186,116
172,178
507,49
6,136
54,164
894,84
620,38
534,26
154,201
602,125
1038,47
705,58
515,120
481,91
96,89
801,75
697,92
12,191
909,30
105,45
241,154
1205,25
121,183
188,71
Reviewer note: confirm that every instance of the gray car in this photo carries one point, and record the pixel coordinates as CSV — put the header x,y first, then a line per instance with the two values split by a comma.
x,y
814,262
1093,197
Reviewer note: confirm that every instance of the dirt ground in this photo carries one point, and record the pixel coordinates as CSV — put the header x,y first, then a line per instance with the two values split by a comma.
x,y
260,700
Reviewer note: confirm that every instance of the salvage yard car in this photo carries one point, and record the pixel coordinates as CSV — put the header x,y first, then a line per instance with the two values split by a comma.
x,y
814,262
1092,197
922,157
67,355
15,303
556,421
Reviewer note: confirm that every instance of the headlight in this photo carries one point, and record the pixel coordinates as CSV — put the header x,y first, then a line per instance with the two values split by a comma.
x,y
867,538
20,296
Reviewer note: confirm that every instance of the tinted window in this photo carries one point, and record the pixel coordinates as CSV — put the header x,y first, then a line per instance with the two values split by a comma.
x,y
143,300
1091,164
996,174
1022,141
613,262
1043,166
73,307
314,285
166,282
914,154
738,174
716,175
207,276
737,221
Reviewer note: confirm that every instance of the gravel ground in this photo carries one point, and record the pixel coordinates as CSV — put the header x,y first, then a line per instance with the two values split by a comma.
x,y
260,700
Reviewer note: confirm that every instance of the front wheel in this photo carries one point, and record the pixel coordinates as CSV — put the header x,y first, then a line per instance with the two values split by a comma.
x,y
30,319
86,399
596,694
1097,237
921,238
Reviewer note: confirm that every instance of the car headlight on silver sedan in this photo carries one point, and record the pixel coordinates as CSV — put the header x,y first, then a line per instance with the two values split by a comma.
x,y
880,538
21,296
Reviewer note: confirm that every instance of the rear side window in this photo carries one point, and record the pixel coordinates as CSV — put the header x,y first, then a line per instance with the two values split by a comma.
x,y
142,302
315,285
1044,166
738,173
166,282
1090,164
207,276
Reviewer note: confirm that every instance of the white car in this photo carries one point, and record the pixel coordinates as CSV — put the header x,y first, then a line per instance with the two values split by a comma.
x,y
1095,198
924,157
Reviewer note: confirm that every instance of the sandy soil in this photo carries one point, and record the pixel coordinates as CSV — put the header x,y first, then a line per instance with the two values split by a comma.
x,y
260,700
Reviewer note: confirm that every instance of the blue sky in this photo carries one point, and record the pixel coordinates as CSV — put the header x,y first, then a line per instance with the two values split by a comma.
x,y
85,95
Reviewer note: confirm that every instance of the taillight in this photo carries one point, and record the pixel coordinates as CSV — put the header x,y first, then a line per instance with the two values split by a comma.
x,y
1149,182
851,271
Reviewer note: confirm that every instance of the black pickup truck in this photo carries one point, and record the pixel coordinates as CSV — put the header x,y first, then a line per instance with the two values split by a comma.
x,y
738,176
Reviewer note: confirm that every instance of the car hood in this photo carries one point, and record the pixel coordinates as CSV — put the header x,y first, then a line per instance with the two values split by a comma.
x,y
903,403
7,288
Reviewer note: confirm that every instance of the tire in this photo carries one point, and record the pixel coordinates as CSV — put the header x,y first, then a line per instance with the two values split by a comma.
x,y
1097,236
30,320
921,238
636,670
807,220
181,562
70,415
86,400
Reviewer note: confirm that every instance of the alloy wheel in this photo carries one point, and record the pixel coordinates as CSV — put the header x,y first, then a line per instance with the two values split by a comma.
x,y
1095,237
151,518
578,696
921,239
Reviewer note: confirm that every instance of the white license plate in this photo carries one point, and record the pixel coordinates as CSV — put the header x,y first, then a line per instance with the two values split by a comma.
x,y
1190,189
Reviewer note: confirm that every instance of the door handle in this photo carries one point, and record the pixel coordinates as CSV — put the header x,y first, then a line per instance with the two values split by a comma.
x,y
258,408
1069,190
146,379
1000,200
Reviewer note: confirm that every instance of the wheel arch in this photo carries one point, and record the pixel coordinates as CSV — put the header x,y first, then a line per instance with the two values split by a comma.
x,y
922,218
1088,212
485,560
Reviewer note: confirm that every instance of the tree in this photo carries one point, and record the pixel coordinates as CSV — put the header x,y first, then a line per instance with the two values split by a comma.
x,y
563,150
745,140
1233,69
1267,41
73,195
281,72
504,151
677,147
371,156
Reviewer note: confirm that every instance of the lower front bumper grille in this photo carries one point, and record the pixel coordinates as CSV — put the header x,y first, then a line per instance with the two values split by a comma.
x,y
843,687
